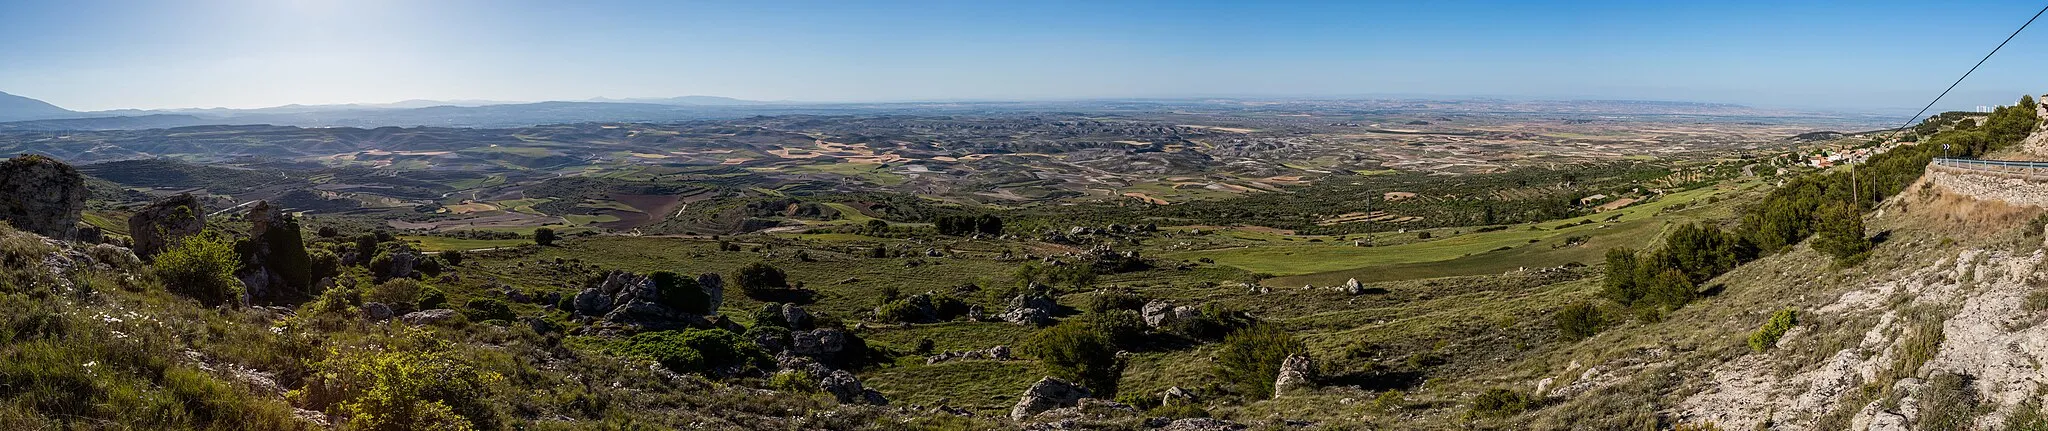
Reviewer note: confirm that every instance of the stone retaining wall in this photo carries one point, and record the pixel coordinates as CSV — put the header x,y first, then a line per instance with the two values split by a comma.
x,y
2015,189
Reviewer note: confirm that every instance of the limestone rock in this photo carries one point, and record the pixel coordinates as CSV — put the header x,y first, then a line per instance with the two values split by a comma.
x,y
1028,316
274,257
714,287
795,316
1176,395
997,353
1352,286
1049,393
817,342
1295,373
41,195
847,389
376,311
164,222
428,317
592,302
1203,424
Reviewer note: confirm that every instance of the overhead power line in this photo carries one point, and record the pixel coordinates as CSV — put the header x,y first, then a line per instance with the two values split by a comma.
x,y
1973,69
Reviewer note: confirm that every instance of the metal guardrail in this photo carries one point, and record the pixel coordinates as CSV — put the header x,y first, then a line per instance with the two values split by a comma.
x,y
2008,167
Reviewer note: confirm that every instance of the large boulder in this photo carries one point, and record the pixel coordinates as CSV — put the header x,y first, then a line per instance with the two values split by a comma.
x,y
163,222
817,342
714,287
274,256
1162,314
41,195
848,390
1295,372
1049,393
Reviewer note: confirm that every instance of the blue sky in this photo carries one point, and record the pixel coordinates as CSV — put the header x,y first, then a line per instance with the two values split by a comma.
x,y
1863,55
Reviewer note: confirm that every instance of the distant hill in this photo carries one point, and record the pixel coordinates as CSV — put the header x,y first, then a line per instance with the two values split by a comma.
x,y
690,101
16,108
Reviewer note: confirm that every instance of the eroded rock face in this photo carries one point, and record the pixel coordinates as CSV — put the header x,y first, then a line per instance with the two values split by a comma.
x,y
1049,393
41,195
632,302
1295,372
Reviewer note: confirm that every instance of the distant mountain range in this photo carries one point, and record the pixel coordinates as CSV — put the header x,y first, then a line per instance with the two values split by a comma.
x,y
14,108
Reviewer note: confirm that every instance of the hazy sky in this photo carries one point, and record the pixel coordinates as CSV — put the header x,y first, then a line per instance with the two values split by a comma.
x,y
1890,55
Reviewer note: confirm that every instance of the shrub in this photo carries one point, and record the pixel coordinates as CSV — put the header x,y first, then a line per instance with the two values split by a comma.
x,y
759,277
1177,411
429,265
1250,358
1210,322
1947,403
1075,351
693,350
797,381
432,298
681,292
420,384
1389,400
544,236
1579,320
1767,336
1113,299
1123,328
325,264
479,310
454,257
201,267
398,293
1499,403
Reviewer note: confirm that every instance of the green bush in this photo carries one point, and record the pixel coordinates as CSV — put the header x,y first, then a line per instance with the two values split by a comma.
x,y
693,350
1499,403
680,292
201,267
1838,231
544,236
454,257
1123,328
414,383
759,277
796,381
1210,322
1075,351
1113,299
325,264
432,298
1767,336
399,293
479,310
429,265
1250,358
1579,320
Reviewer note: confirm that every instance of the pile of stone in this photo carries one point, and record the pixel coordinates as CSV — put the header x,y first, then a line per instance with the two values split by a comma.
x,y
997,353
629,302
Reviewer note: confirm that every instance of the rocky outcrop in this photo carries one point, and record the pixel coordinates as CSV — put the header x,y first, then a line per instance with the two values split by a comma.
x,y
714,287
1049,393
161,223
1295,373
848,390
41,195
1202,424
1162,314
1030,309
274,259
818,342
997,353
629,302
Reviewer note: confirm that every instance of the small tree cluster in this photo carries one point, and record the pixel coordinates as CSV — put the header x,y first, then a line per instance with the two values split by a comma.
x,y
968,225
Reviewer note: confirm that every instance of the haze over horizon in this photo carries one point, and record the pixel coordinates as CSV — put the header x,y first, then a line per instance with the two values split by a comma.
x,y
1873,56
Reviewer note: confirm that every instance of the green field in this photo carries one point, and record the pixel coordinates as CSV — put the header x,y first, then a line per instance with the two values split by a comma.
x,y
1459,254
435,243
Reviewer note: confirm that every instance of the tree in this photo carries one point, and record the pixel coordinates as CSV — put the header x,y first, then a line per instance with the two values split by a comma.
x,y
1078,352
1620,283
544,236
1251,357
1839,233
760,277
454,257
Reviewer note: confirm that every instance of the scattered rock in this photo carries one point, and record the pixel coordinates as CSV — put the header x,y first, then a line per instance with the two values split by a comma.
x,y
1203,424
41,195
1176,394
428,317
376,311
1049,393
817,342
1295,373
997,353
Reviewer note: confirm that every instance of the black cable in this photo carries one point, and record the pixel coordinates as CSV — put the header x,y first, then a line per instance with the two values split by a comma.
x,y
1973,69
